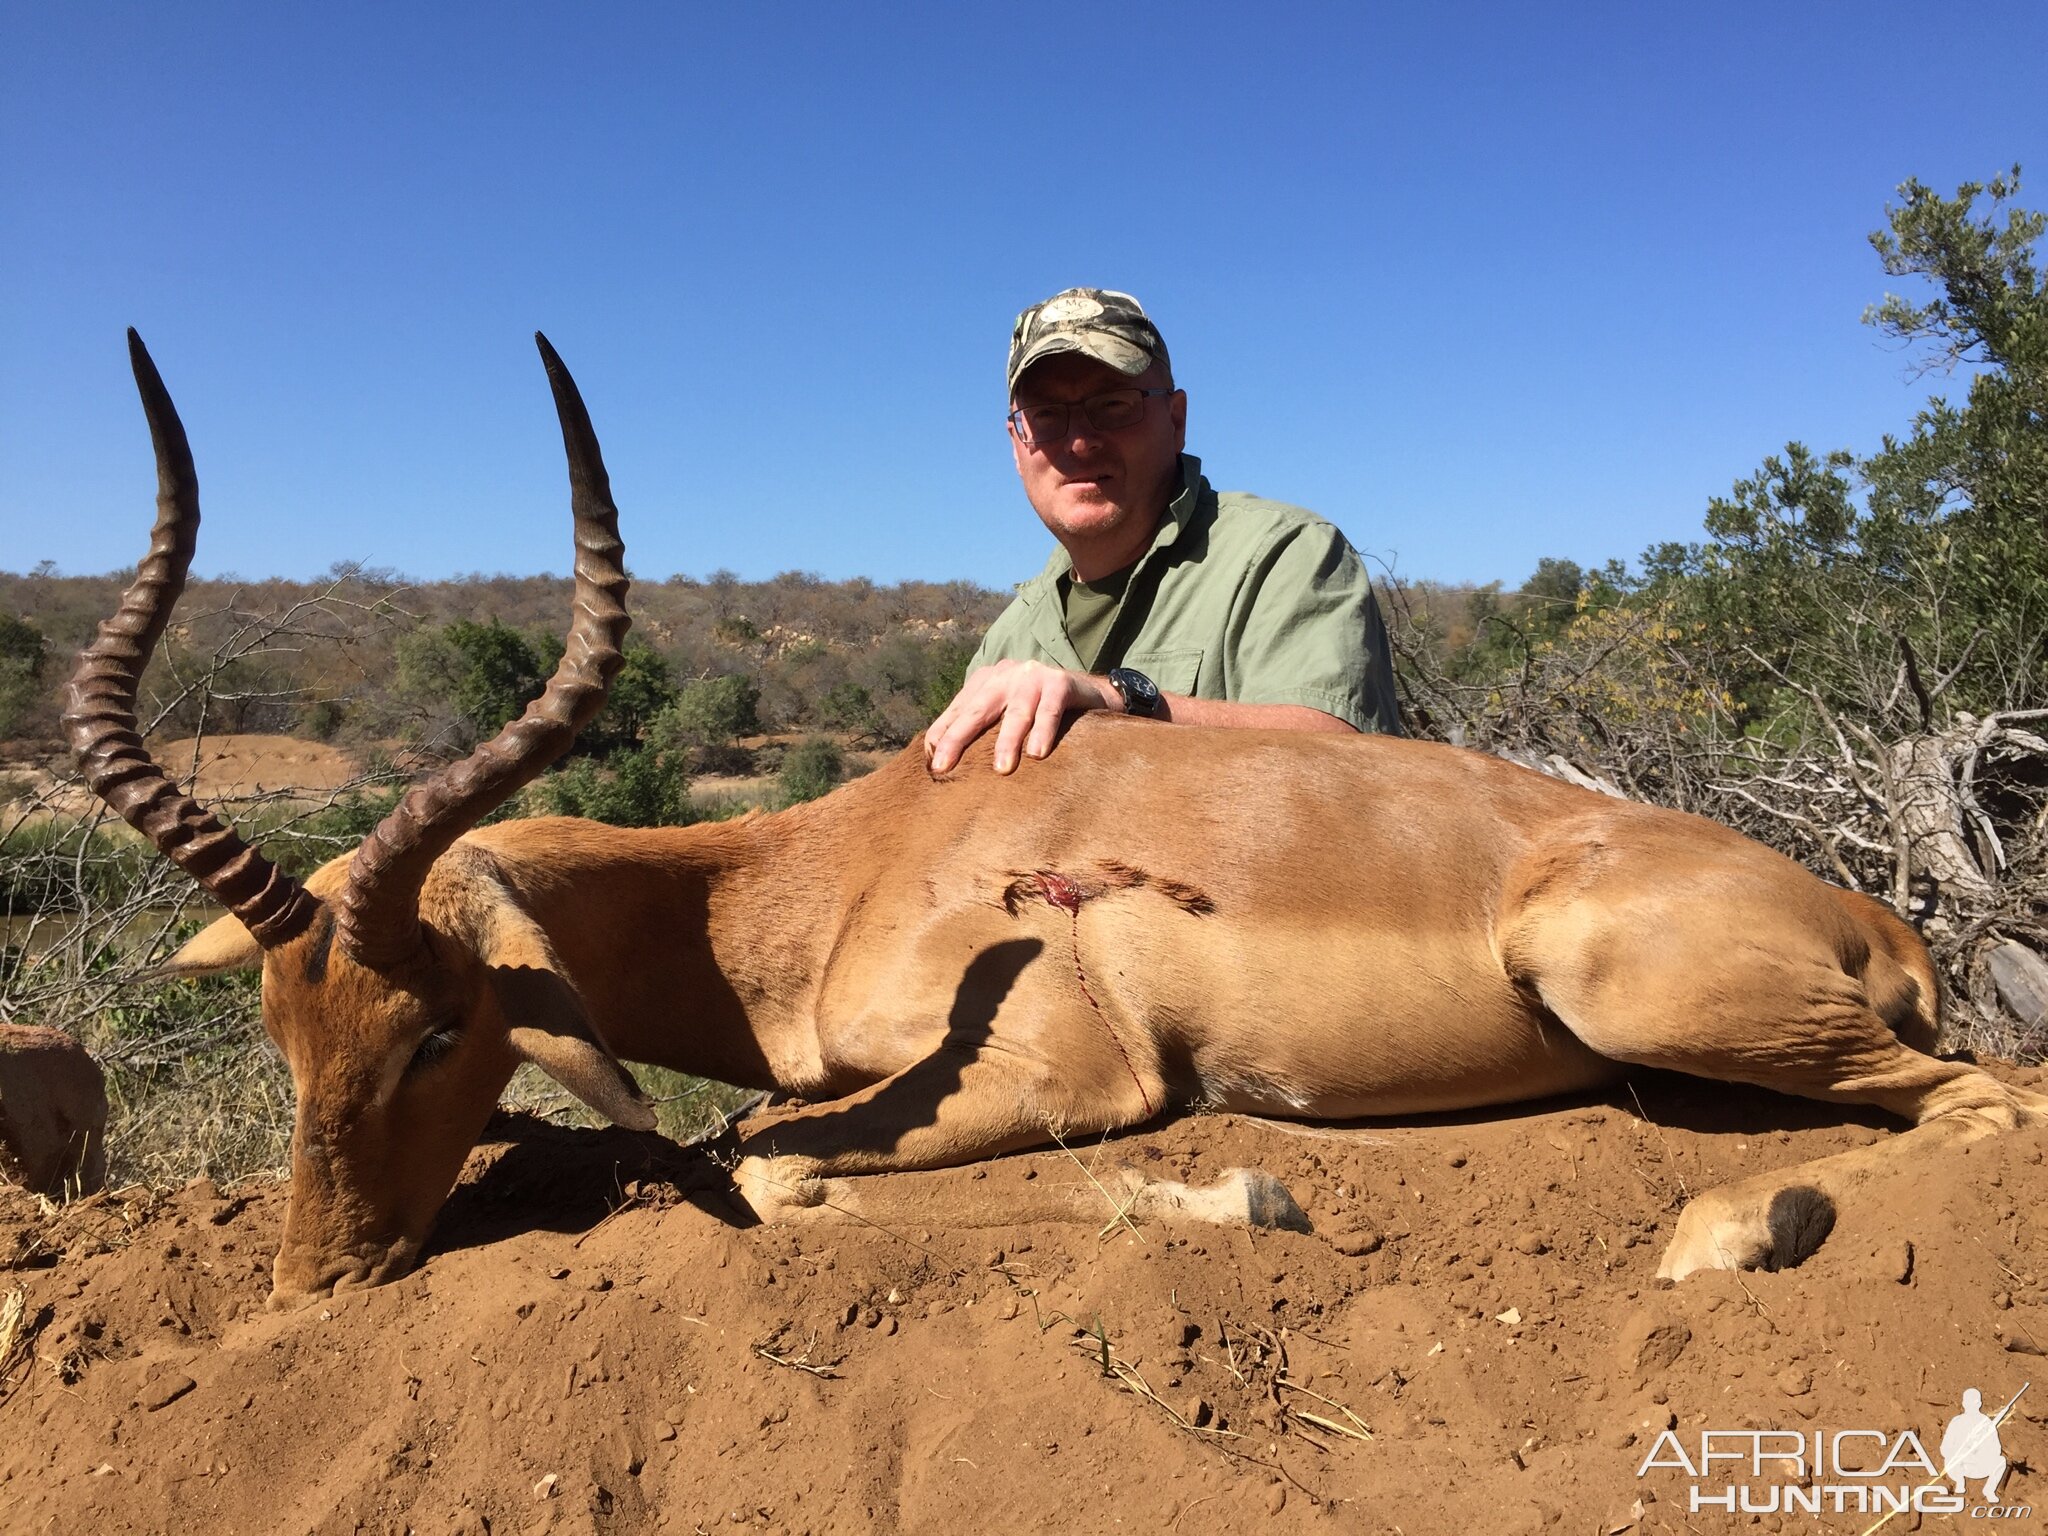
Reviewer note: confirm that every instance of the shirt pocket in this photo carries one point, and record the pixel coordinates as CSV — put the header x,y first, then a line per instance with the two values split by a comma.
x,y
1174,671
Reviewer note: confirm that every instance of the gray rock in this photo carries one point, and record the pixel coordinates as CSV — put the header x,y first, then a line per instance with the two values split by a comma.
x,y
2021,977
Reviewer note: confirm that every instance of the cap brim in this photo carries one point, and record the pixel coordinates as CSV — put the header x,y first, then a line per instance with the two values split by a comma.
x,y
1126,357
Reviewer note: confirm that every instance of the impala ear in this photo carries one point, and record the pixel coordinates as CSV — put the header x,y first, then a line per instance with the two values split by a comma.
x,y
547,1026
225,944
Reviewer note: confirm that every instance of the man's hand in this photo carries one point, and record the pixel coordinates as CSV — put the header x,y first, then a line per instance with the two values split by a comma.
x,y
1027,698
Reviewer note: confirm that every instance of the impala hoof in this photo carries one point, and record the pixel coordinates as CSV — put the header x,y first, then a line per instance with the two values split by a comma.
x,y
1268,1204
1715,1232
772,1187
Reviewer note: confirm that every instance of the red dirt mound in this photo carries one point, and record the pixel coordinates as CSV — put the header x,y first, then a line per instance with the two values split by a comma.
x,y
1471,1340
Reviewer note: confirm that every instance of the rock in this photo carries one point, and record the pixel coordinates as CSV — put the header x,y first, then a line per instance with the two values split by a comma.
x,y
164,1391
1529,1243
1794,1382
2021,977
1196,1410
1357,1244
1276,1498
1897,1259
53,1112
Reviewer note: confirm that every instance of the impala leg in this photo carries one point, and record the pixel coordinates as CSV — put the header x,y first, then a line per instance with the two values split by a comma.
x,y
1783,1015
1775,1220
961,1104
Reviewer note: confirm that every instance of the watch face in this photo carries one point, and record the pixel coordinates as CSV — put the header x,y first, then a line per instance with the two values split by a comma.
x,y
1140,693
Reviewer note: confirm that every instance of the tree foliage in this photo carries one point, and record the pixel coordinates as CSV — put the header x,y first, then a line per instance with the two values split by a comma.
x,y
813,767
23,654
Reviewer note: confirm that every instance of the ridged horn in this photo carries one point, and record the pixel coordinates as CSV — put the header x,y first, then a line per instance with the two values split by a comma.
x,y
99,715
379,921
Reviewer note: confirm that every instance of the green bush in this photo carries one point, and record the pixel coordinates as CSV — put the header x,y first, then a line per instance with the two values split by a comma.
x,y
811,768
58,866
23,652
850,707
647,787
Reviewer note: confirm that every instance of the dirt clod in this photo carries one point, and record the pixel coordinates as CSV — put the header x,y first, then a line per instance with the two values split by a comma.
x,y
164,1391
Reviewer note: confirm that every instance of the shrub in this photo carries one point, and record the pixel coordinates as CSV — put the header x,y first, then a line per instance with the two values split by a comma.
x,y
647,787
811,768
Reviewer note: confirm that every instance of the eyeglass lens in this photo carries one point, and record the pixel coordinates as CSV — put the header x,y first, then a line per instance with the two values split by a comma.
x,y
1110,411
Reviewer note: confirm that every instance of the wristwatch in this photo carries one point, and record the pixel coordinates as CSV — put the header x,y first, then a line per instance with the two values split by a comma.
x,y
1140,694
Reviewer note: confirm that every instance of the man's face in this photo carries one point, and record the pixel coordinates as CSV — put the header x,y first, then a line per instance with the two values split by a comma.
x,y
1100,493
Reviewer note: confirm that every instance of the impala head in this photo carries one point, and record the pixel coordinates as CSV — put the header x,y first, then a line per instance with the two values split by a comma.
x,y
403,983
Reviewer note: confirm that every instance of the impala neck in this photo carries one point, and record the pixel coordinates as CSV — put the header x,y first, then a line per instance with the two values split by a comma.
x,y
696,948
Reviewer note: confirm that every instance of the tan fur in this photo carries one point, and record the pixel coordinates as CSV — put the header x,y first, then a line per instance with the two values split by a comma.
x,y
1152,917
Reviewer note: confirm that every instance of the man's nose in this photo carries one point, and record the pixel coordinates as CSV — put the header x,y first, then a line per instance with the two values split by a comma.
x,y
1081,435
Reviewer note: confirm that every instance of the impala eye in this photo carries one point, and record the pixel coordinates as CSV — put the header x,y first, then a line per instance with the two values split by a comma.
x,y
434,1047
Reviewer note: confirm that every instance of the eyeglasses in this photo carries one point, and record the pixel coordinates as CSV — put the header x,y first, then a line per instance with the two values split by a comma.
x,y
1110,411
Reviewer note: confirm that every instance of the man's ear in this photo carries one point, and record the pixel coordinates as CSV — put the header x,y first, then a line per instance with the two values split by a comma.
x,y
222,945
546,1024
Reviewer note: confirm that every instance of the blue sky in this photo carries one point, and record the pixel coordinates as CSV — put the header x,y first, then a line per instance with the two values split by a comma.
x,y
1480,283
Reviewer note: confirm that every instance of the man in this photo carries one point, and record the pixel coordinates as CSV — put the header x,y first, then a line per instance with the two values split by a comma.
x,y
1165,598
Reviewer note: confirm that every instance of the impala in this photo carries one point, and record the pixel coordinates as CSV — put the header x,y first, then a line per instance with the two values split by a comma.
x,y
944,968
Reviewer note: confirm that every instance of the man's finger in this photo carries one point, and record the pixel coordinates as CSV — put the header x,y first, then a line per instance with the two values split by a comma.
x,y
936,737
1045,723
1017,718
958,724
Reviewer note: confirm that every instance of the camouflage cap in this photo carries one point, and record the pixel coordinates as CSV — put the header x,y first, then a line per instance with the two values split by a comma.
x,y
1101,323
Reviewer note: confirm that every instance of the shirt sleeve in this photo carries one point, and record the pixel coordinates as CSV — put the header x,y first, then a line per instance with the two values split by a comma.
x,y
1306,629
1008,639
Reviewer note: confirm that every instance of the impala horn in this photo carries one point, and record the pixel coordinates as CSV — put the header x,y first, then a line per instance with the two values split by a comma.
x,y
99,714
379,923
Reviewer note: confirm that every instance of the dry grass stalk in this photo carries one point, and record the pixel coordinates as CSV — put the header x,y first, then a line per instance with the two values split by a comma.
x,y
798,1362
1120,1209
1358,1428
1127,1376
14,1340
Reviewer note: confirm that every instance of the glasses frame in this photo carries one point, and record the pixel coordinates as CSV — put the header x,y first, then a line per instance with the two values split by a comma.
x,y
1086,408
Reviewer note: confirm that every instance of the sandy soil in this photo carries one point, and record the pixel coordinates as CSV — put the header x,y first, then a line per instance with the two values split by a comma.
x,y
597,1343
223,767
233,767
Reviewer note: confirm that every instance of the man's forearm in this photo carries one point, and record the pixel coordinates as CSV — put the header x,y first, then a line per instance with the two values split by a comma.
x,y
1182,710
1024,702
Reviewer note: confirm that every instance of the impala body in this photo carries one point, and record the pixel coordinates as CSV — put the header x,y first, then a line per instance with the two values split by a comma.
x,y
948,967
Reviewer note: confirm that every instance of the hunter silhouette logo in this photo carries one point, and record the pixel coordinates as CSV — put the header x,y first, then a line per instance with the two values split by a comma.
x,y
1970,1447
1846,1471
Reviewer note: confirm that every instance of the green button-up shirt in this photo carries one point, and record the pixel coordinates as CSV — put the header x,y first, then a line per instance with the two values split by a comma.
x,y
1237,598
